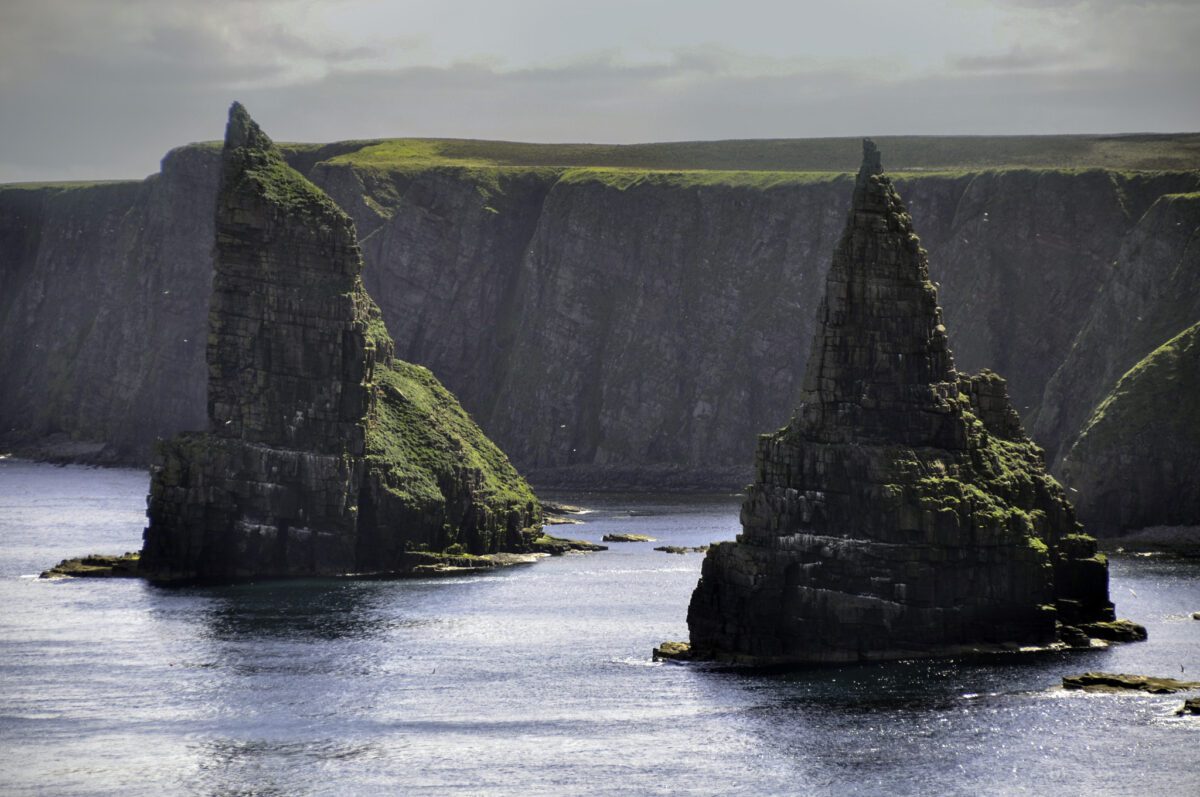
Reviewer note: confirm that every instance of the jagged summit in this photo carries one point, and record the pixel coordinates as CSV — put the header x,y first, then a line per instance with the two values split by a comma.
x,y
880,364
241,131
903,512
872,162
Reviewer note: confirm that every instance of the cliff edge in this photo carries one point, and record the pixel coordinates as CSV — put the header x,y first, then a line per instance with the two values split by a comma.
x,y
903,512
323,455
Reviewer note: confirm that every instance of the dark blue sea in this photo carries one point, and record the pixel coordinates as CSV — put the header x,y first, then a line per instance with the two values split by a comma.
x,y
534,680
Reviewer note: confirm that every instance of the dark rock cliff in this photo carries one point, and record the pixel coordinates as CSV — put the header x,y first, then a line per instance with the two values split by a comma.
x,y
607,328
103,306
1152,295
324,455
903,511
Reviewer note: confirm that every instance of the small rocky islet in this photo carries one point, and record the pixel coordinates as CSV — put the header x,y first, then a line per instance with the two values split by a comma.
x,y
1122,682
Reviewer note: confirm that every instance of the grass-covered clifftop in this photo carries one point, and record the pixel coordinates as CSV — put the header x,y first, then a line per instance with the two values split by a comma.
x,y
908,153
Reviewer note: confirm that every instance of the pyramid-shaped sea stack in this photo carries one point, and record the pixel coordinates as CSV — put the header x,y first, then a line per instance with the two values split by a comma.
x,y
324,454
903,512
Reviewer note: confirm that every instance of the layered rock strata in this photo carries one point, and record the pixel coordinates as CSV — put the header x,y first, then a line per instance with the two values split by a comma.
x,y
324,454
903,512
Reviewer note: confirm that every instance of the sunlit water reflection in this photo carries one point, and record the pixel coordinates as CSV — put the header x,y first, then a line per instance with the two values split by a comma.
x,y
534,680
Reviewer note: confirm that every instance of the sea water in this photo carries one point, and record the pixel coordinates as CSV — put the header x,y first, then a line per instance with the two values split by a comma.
x,y
531,680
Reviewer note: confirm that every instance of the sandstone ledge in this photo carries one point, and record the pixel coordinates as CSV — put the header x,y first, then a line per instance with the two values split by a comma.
x,y
1121,682
414,564
97,566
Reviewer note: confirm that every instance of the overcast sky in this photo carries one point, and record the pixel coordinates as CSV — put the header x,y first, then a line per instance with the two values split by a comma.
x,y
95,89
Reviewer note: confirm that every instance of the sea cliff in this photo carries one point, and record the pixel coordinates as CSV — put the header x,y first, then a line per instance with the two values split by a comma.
x,y
617,326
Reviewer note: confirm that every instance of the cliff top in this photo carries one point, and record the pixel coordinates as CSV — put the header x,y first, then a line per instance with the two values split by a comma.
x,y
880,347
757,163
905,153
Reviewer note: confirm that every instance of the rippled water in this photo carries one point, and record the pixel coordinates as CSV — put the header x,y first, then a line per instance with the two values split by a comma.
x,y
534,680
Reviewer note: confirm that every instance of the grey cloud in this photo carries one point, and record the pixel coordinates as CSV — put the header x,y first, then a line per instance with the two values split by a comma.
x,y
1018,59
78,108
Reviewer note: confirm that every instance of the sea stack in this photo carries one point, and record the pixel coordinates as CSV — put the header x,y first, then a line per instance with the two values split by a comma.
x,y
903,512
324,454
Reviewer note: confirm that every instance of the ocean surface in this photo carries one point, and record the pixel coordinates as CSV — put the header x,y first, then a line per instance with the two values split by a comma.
x,y
532,680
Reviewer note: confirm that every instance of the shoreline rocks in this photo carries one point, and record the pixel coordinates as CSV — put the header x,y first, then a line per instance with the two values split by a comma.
x,y
557,546
618,537
683,549
673,651
413,564
126,565
1121,682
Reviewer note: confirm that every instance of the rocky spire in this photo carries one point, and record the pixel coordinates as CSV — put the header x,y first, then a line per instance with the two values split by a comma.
x,y
903,512
288,356
241,131
323,455
880,362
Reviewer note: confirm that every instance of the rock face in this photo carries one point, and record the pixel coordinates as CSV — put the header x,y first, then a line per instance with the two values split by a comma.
x,y
323,454
1152,295
605,327
903,511
1136,461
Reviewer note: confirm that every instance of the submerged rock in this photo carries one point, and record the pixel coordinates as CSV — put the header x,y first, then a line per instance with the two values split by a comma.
x,y
324,454
1120,682
1190,706
903,512
682,549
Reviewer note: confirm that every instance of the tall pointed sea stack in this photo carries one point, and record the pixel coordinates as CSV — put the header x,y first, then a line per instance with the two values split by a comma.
x,y
903,512
324,455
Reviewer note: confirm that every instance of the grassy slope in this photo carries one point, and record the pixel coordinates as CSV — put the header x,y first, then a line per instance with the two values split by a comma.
x,y
1160,391
419,433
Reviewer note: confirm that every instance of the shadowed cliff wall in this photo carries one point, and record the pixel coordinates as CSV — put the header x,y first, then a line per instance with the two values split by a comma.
x,y
604,327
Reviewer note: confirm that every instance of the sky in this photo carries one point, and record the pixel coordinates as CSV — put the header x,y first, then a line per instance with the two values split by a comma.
x,y
101,89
